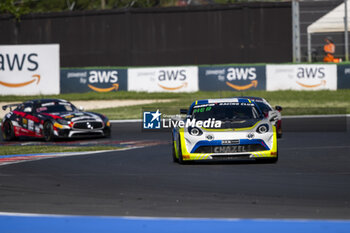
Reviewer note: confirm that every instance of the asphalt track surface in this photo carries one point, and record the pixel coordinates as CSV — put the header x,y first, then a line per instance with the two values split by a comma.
x,y
311,179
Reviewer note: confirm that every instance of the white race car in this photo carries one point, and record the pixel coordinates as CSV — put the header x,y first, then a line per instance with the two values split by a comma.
x,y
225,129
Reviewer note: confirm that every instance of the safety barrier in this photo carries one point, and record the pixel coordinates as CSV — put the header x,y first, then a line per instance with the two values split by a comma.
x,y
31,74
208,78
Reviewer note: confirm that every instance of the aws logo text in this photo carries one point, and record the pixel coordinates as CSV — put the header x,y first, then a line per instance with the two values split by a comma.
x,y
166,76
311,73
241,74
233,74
305,72
10,62
103,77
172,75
16,62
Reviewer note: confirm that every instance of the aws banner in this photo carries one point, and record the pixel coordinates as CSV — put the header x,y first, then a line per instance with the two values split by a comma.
x,y
29,69
234,78
97,80
163,79
301,77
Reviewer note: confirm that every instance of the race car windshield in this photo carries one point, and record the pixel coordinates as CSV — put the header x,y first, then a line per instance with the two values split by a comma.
x,y
53,107
263,107
225,111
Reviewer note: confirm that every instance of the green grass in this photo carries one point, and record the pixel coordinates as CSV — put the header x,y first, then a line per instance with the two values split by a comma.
x,y
13,150
293,102
122,95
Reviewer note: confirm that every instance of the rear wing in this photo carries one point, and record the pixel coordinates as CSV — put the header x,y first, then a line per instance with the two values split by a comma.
x,y
4,107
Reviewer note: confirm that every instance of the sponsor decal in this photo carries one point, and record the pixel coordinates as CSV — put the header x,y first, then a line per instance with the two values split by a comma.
x,y
238,78
301,77
29,69
103,77
97,80
167,79
230,149
316,73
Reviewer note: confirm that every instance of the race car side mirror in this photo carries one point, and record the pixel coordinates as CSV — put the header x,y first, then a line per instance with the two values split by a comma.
x,y
81,108
278,108
183,111
272,116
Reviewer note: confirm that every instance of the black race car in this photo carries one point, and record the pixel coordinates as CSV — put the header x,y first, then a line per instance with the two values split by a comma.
x,y
50,119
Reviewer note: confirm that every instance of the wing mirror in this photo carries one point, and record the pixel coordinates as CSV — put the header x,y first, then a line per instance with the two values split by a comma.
x,y
81,108
278,108
272,116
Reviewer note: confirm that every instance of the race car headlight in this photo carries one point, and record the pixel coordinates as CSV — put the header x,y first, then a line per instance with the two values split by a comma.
x,y
195,131
62,121
263,128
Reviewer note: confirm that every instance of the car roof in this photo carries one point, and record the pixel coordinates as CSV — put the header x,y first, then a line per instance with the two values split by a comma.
x,y
222,100
256,99
251,97
35,101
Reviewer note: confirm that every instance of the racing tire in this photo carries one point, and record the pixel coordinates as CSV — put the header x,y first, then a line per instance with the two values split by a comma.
x,y
8,133
175,160
48,132
279,131
272,160
180,159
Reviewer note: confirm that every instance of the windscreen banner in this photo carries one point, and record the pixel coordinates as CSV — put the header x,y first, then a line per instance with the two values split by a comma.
x,y
301,77
343,76
163,79
30,69
93,80
232,78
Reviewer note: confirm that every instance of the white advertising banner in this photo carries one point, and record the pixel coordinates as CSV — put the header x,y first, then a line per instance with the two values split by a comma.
x,y
301,77
29,69
163,79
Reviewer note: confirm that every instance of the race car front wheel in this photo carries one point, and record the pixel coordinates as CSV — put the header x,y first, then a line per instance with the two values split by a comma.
x,y
8,133
180,160
173,148
48,131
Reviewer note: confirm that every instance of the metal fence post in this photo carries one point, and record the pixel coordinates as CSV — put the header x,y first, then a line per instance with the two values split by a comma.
x,y
309,58
296,31
346,30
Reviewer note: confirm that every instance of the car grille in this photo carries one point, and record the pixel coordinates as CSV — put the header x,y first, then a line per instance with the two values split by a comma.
x,y
88,125
230,149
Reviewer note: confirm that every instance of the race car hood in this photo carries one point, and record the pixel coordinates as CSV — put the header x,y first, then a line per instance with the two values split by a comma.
x,y
74,116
